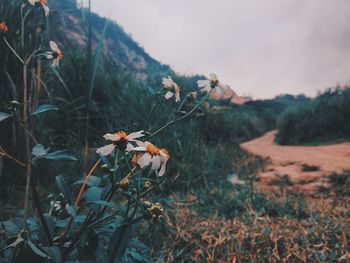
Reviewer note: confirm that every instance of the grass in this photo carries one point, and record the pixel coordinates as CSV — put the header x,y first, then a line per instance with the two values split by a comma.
x,y
309,168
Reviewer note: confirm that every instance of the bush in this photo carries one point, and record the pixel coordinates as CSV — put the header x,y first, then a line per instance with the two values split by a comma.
x,y
321,120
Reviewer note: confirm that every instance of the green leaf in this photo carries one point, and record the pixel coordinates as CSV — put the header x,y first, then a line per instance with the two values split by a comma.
x,y
39,150
62,186
119,242
36,250
72,210
93,181
104,203
93,194
43,108
55,254
4,116
63,155
137,244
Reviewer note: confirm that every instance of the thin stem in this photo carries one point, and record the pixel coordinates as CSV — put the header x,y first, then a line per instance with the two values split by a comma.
x,y
5,154
93,169
27,146
150,115
181,118
12,49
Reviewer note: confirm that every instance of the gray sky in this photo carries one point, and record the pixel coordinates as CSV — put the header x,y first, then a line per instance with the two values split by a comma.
x,y
258,47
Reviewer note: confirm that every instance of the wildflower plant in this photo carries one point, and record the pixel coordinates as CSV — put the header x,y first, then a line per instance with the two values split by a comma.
x,y
100,212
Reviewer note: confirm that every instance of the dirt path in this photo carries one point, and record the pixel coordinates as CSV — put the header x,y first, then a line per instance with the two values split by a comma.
x,y
288,160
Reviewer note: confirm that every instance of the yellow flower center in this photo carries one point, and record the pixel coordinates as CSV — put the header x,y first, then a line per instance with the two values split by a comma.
x,y
59,55
3,26
122,135
153,150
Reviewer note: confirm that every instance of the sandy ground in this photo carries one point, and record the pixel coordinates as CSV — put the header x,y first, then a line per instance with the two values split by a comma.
x,y
288,160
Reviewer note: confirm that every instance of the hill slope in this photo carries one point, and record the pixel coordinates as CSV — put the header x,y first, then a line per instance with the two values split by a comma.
x,y
71,31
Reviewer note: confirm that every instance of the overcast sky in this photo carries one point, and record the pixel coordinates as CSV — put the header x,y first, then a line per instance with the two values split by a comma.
x,y
258,47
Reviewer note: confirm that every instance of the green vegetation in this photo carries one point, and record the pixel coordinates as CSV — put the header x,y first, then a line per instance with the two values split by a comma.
x,y
61,201
324,119
310,168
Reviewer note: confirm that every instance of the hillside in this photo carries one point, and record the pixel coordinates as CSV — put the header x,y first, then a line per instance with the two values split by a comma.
x,y
119,49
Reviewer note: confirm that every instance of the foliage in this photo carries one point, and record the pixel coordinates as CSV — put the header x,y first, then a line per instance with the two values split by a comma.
x,y
321,120
310,168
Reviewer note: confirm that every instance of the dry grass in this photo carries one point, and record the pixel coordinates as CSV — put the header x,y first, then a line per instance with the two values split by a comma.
x,y
322,237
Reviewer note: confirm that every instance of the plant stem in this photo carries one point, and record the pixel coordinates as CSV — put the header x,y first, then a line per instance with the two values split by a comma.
x,y
27,147
181,118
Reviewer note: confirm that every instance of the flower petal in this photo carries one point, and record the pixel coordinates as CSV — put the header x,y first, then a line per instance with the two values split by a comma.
x,y
111,137
106,150
156,161
169,94
206,89
129,147
162,169
168,82
53,46
139,149
213,77
144,160
203,83
177,97
47,11
135,135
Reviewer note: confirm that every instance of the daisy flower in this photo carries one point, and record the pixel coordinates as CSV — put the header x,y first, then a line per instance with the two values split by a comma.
x,y
174,89
56,54
42,3
153,156
211,83
120,139
3,27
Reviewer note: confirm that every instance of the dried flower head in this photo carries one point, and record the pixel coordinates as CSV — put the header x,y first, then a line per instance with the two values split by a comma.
x,y
3,27
156,210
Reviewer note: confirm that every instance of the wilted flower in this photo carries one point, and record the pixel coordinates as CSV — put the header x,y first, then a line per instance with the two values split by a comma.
x,y
153,156
193,94
174,89
124,182
211,83
3,27
42,3
56,54
156,210
120,138
147,184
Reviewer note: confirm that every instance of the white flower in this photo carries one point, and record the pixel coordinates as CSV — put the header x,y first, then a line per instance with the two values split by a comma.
x,y
153,156
174,89
121,137
56,205
211,83
233,179
43,3
56,54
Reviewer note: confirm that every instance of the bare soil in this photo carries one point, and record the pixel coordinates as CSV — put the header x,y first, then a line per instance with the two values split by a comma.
x,y
289,160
